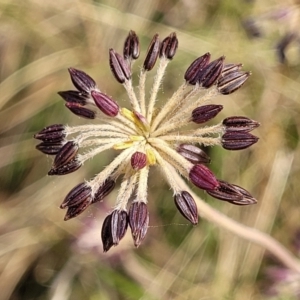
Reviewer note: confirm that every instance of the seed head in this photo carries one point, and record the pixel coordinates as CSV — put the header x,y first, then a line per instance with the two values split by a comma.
x,y
238,140
205,113
119,67
138,221
131,48
82,81
196,67
152,54
187,206
169,46
80,110
193,154
239,124
148,136
50,148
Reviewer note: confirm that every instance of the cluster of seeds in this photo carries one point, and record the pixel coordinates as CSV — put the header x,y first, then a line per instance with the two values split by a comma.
x,y
148,136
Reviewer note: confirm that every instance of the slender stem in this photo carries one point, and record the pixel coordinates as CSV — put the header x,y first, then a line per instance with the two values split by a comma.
x,y
206,141
128,123
156,84
126,190
142,188
186,99
142,91
175,164
186,112
250,234
98,142
119,160
173,155
169,106
169,127
168,171
83,157
131,94
112,126
86,135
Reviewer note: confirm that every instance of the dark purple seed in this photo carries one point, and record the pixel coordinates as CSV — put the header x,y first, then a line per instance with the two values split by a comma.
x,y
131,48
210,74
203,178
232,193
238,123
70,167
226,192
104,190
119,67
169,46
74,97
196,66
229,77
138,216
119,224
226,86
205,113
65,154
152,53
187,206
80,193
80,111
82,81
53,133
248,199
106,104
229,69
238,140
193,154
138,160
49,148
74,211
106,234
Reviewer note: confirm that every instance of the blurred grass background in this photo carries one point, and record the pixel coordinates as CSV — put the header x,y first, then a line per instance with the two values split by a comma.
x,y
43,257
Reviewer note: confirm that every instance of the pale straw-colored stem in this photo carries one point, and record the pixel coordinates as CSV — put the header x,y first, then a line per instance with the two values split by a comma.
x,y
120,124
142,91
204,131
128,123
181,169
215,129
184,164
126,190
156,84
169,106
169,127
132,97
112,126
206,141
142,189
98,142
120,159
83,157
250,234
86,135
168,171
187,110
186,99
